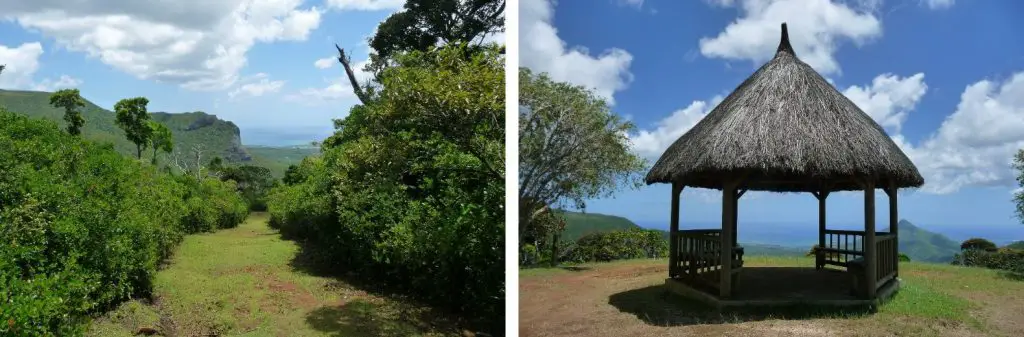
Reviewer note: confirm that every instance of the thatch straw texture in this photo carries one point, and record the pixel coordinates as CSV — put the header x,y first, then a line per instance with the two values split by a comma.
x,y
786,129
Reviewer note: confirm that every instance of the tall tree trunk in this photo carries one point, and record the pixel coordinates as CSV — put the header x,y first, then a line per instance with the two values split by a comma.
x,y
138,151
554,249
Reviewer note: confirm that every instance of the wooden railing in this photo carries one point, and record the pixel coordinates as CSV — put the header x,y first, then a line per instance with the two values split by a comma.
x,y
700,256
885,269
841,247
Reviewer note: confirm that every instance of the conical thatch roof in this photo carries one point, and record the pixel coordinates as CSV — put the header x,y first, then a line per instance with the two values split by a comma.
x,y
786,129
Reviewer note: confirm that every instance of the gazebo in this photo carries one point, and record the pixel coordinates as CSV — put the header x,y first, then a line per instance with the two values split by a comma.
x,y
786,129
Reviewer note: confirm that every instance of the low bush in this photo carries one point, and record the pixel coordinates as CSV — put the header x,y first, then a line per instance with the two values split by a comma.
x,y
978,243
1003,259
83,226
618,245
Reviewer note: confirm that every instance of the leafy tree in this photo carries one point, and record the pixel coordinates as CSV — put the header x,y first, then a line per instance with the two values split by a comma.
x,y
409,191
978,243
70,100
424,24
292,175
571,148
162,139
133,118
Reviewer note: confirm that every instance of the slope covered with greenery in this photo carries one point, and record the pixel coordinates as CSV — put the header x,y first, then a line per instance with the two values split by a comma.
x,y
85,227
217,137
579,224
921,245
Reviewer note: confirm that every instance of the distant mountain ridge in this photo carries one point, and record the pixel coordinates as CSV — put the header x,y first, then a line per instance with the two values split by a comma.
x,y
218,137
919,244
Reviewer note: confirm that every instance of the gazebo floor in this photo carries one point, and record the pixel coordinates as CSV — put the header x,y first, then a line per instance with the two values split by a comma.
x,y
780,286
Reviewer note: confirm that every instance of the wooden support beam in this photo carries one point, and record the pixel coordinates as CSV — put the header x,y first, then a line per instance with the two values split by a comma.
x,y
821,225
740,194
870,255
673,244
728,209
894,225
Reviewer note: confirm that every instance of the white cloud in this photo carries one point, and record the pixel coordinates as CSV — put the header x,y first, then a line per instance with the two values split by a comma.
x,y
258,85
64,82
816,27
337,89
889,98
652,143
939,4
975,145
366,5
21,63
543,51
198,44
631,3
324,63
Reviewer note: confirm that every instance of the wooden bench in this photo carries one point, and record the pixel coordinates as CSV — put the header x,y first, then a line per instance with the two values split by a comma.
x,y
856,269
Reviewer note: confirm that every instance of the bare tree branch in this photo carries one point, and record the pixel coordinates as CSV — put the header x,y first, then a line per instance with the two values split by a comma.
x,y
344,60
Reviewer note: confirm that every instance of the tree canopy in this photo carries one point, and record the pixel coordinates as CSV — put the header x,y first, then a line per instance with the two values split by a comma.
x,y
571,148
161,140
71,101
133,118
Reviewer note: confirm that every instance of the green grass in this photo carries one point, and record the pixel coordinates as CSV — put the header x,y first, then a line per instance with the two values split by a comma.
x,y
240,282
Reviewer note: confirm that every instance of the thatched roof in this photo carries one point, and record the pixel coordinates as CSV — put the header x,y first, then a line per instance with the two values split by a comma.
x,y
786,129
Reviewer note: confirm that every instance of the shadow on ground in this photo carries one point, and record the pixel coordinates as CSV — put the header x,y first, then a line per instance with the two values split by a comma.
x,y
360,318
398,315
656,306
1009,275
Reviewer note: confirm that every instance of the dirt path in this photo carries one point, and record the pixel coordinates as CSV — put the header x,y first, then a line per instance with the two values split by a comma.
x,y
627,299
241,281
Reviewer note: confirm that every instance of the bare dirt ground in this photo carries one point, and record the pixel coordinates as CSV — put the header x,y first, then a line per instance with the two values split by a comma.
x,y
627,299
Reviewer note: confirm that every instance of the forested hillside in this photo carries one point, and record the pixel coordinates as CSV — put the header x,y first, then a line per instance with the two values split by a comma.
x,y
216,137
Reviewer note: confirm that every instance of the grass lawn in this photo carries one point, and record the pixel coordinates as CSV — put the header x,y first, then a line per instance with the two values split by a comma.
x,y
243,282
626,298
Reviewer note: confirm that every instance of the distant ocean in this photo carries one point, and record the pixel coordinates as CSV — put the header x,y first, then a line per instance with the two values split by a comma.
x,y
805,235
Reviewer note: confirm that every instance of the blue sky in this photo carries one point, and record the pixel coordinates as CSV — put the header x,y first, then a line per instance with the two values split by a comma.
x,y
944,78
253,62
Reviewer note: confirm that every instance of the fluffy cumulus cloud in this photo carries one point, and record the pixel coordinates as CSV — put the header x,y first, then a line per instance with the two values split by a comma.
x,y
652,143
816,29
21,64
255,86
975,145
889,98
366,5
543,51
198,44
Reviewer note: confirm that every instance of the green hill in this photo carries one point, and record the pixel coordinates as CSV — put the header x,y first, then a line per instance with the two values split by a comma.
x,y
579,224
1016,245
218,137
922,245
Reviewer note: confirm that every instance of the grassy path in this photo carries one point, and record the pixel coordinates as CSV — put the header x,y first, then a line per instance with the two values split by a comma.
x,y
240,282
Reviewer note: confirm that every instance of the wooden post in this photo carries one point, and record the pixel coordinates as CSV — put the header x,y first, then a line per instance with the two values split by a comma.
x,y
819,261
736,219
673,244
870,255
728,209
894,227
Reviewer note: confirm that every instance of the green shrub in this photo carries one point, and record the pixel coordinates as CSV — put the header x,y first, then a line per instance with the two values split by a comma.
x,y
978,243
409,191
618,245
1003,259
904,258
83,227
